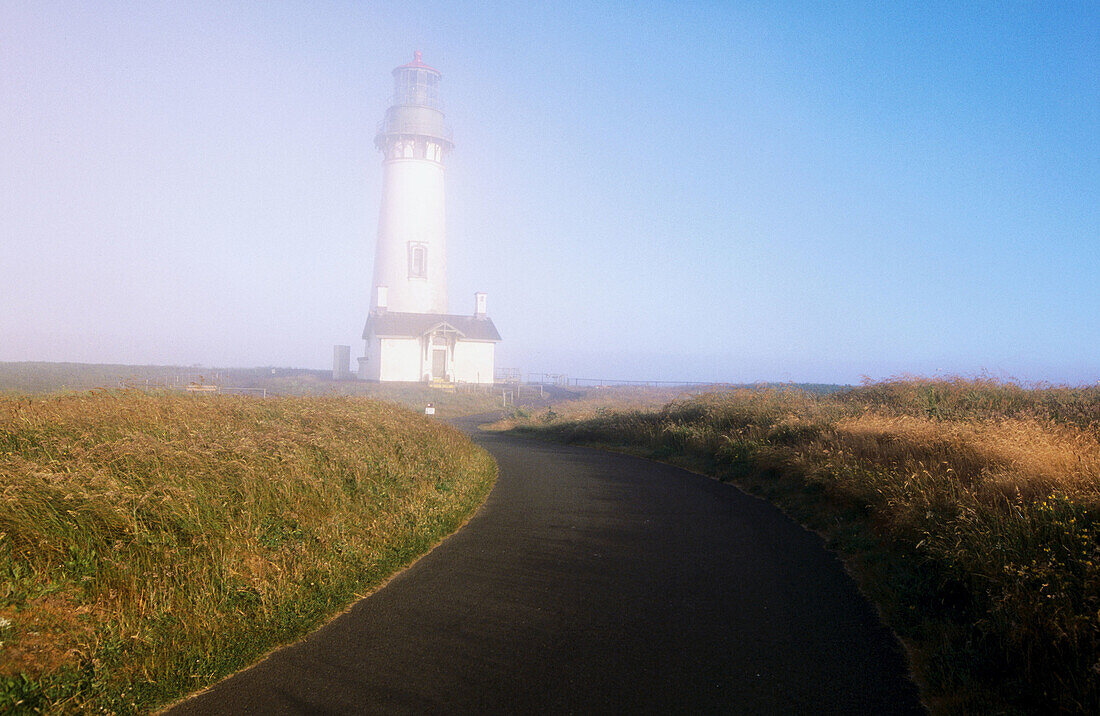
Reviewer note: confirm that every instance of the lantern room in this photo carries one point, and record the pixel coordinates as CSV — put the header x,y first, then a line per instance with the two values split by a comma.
x,y
416,84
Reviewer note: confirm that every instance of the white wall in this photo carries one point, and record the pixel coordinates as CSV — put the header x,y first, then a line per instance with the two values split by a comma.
x,y
474,361
412,211
368,370
399,359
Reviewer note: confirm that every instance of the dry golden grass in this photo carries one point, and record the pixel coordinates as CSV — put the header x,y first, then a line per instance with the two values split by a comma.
x,y
1011,456
151,543
970,510
587,403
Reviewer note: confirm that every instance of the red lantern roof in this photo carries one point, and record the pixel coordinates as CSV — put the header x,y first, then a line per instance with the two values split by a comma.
x,y
418,64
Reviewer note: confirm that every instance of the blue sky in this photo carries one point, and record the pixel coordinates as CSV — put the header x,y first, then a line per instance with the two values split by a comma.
x,y
678,191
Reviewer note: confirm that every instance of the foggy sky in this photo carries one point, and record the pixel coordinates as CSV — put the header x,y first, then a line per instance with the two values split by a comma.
x,y
679,191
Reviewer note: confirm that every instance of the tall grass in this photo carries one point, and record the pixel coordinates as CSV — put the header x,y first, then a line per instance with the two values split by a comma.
x,y
969,510
150,544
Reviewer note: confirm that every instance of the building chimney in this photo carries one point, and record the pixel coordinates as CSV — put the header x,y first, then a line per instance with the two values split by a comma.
x,y
479,305
380,299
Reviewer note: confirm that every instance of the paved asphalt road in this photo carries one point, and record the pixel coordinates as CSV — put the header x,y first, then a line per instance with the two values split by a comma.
x,y
596,582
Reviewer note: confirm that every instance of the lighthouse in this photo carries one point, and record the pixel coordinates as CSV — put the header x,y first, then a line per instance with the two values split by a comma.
x,y
409,334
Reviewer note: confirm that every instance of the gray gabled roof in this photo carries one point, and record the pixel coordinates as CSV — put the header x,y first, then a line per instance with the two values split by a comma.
x,y
393,324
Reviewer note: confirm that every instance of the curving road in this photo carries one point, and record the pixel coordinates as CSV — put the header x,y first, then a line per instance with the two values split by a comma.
x,y
596,582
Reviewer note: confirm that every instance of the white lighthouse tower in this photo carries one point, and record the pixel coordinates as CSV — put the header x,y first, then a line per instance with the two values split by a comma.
x,y
410,259
409,334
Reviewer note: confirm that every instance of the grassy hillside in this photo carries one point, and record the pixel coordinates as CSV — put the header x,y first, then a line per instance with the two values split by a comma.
x,y
39,378
151,543
969,511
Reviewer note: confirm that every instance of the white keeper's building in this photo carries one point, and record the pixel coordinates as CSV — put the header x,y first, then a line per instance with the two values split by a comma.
x,y
409,334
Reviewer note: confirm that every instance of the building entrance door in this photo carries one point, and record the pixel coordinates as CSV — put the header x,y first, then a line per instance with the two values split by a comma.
x,y
439,363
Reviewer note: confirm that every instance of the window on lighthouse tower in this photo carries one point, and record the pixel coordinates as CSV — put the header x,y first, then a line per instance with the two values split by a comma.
x,y
418,260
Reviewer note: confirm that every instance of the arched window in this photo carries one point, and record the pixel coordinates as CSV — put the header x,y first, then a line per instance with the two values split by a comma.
x,y
418,260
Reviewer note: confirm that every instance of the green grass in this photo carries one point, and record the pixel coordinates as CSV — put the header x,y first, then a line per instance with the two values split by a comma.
x,y
968,511
152,543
